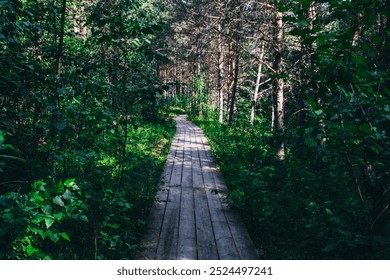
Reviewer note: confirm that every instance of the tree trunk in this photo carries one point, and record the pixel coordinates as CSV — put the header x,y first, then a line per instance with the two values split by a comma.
x,y
278,86
220,73
61,43
257,87
312,14
235,82
358,31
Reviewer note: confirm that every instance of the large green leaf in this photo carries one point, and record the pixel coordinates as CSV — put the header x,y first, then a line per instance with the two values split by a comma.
x,y
49,221
58,201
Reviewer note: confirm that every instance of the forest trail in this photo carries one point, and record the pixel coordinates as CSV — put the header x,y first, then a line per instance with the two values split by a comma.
x,y
190,219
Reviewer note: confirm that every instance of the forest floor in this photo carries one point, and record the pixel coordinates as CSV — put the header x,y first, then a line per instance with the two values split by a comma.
x,y
191,218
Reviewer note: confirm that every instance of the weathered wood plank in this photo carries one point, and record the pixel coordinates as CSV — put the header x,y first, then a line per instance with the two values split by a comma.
x,y
186,180
206,245
197,178
225,243
187,232
244,244
167,245
178,165
150,241
224,240
156,217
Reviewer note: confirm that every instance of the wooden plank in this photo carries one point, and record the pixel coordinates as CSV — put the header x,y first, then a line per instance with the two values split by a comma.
x,y
244,244
207,248
178,164
225,243
186,180
187,232
149,242
197,178
167,245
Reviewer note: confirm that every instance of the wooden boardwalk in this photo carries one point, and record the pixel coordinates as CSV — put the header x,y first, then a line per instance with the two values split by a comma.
x,y
190,219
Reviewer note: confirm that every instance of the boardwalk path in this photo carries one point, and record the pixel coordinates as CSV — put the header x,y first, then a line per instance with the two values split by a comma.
x,y
189,220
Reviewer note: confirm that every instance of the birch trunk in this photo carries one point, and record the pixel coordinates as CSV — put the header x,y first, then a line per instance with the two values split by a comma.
x,y
257,86
220,73
278,86
235,82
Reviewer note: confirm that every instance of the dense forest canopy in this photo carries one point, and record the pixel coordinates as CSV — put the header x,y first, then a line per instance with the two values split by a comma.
x,y
293,96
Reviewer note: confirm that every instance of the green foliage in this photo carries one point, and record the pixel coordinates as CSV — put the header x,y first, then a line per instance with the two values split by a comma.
x,y
330,197
4,151
98,117
104,218
39,224
198,103
296,208
120,199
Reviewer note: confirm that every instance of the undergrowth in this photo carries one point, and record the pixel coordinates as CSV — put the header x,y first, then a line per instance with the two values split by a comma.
x,y
294,209
98,214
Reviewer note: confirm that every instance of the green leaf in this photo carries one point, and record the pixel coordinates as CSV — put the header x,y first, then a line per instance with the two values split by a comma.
x,y
35,198
47,209
71,184
64,236
328,211
84,218
303,22
53,236
31,250
39,185
60,125
49,221
128,205
40,232
58,216
67,195
69,181
312,102
10,157
299,32
58,201
60,187
137,43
